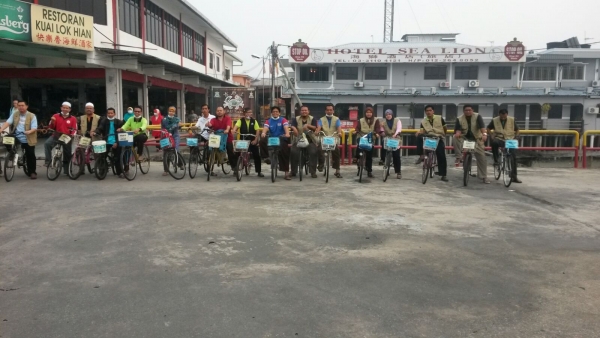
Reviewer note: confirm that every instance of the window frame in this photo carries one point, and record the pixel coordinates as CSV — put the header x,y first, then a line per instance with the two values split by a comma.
x,y
540,71
338,72
129,17
577,67
303,73
438,67
468,75
370,76
211,60
500,69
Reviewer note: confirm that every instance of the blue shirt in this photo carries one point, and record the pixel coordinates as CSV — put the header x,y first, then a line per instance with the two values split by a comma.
x,y
276,127
111,133
20,132
337,124
127,116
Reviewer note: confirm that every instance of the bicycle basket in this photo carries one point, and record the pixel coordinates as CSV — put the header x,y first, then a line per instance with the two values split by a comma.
x,y
364,144
241,145
99,147
468,145
328,143
511,144
64,138
214,141
274,142
165,143
125,139
8,140
84,142
192,142
430,143
392,143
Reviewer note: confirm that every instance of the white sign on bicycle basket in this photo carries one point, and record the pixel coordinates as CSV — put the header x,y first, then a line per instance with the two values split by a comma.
x,y
65,138
392,143
328,143
85,141
242,145
470,145
430,143
214,141
125,137
8,140
511,144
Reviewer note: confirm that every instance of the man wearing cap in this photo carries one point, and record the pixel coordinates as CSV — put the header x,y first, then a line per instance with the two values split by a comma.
x,y
24,126
156,120
392,127
128,115
88,123
62,123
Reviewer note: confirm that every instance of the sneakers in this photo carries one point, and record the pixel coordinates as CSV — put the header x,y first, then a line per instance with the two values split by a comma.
x,y
313,175
260,175
370,174
399,176
33,176
485,181
444,179
516,180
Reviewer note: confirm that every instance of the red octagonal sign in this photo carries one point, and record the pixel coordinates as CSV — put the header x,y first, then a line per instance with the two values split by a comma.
x,y
514,50
300,51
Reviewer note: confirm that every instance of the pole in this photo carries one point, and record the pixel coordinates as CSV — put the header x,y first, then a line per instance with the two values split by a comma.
x,y
292,85
273,63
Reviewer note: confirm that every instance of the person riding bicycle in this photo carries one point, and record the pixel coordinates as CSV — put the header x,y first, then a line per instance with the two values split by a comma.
x,y
470,126
24,126
201,124
502,128
221,124
138,125
63,123
366,125
108,127
392,127
171,123
433,126
277,126
248,125
305,125
88,122
331,124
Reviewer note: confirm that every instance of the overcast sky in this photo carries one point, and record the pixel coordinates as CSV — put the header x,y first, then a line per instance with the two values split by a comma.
x,y
254,24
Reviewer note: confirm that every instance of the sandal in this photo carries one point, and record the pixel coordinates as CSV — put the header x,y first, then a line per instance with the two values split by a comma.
x,y
287,177
338,175
213,174
165,173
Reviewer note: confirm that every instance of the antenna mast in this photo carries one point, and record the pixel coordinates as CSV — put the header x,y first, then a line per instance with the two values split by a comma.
x,y
388,21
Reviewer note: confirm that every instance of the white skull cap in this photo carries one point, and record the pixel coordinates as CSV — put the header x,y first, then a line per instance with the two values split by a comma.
x,y
89,104
66,104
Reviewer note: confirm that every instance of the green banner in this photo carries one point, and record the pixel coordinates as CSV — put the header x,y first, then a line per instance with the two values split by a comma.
x,y
15,20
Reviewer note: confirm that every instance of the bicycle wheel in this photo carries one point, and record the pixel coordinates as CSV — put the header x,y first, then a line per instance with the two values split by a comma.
x,y
386,165
361,166
128,160
55,166
91,163
145,164
300,165
507,172
193,162
205,156
9,167
426,167
25,167
467,168
498,166
101,167
247,163
76,165
273,166
110,160
240,167
225,166
211,163
327,159
176,165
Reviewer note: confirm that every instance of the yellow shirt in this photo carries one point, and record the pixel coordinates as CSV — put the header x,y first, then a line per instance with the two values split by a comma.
x,y
238,124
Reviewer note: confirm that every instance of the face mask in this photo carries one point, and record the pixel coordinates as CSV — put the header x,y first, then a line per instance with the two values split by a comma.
x,y
110,118
64,114
329,115
275,118
155,114
130,111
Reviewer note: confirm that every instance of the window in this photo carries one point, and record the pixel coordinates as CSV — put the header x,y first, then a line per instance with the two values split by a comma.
x,y
547,73
218,63
375,73
199,48
171,33
154,24
500,73
555,111
129,17
95,8
188,42
466,73
435,73
346,73
211,60
573,72
314,73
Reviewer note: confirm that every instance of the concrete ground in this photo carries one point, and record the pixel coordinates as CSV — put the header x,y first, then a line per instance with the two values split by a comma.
x,y
163,258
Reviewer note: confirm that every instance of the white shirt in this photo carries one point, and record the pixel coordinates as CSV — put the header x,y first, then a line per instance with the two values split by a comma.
x,y
201,124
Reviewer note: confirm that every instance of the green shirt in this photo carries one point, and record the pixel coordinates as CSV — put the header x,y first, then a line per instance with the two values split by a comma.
x,y
131,125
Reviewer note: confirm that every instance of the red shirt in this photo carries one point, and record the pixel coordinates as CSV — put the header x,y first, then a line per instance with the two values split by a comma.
x,y
156,120
63,125
222,125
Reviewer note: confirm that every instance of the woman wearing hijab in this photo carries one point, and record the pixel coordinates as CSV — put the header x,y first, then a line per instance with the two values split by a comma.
x,y
392,127
156,120
171,123
366,125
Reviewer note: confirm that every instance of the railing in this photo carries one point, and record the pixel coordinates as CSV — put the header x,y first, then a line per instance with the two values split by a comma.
x,y
585,147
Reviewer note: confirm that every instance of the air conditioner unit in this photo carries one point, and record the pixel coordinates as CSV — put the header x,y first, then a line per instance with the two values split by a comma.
x,y
444,84
473,83
480,90
547,91
382,90
595,84
433,90
461,90
589,90
411,91
500,90
593,110
359,84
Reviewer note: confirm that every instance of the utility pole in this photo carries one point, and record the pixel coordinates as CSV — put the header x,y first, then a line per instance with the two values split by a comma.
x,y
274,59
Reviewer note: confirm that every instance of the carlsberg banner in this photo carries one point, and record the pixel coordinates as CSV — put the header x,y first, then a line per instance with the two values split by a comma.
x,y
45,25
15,20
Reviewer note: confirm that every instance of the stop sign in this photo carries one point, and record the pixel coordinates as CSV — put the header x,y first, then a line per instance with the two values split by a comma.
x,y
299,51
514,50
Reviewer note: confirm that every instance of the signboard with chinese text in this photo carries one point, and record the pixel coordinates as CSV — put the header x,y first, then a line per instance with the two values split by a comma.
x,y
56,27
14,20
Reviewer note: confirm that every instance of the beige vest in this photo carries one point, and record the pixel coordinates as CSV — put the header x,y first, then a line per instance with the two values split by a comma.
x,y
389,131
465,125
31,138
327,129
436,129
508,131
365,128
83,123
301,128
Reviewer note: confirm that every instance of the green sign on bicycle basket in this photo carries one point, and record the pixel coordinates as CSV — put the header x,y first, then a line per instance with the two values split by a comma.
x,y
15,20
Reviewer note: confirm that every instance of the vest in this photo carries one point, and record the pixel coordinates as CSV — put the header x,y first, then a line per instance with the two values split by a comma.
x,y
508,131
365,128
301,125
311,136
437,128
389,131
83,123
31,138
329,130
465,125
244,129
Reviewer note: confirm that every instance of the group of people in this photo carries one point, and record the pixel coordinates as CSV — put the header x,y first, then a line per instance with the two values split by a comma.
x,y
469,126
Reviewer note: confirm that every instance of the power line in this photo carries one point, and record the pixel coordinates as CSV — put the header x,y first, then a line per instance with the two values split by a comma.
x,y
442,14
358,8
416,19
318,24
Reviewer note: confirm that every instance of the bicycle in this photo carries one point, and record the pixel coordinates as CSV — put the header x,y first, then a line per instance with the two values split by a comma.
x,y
55,166
172,158
506,162
328,144
104,159
467,158
390,144
81,157
130,158
13,157
364,143
430,145
198,153
243,162
274,144
303,161
215,156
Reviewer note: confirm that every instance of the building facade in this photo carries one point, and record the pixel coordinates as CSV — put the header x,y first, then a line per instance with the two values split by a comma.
x,y
556,88
153,53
